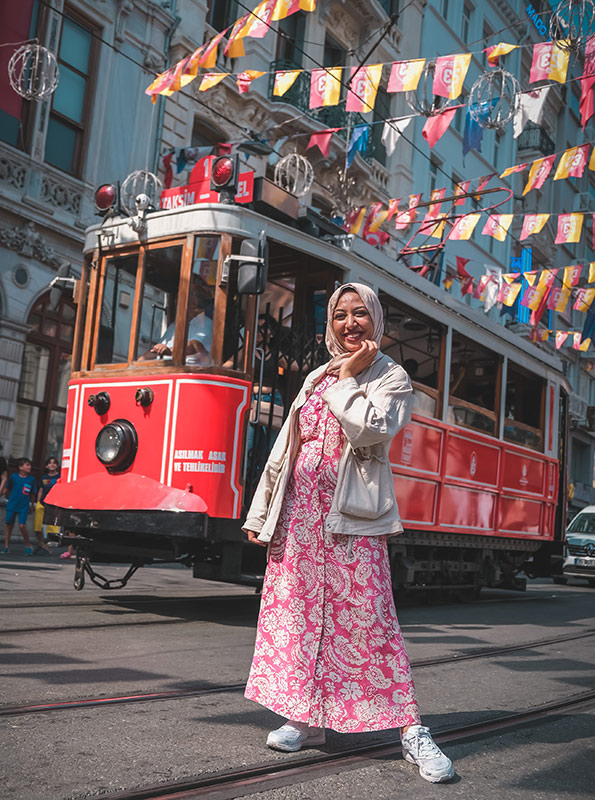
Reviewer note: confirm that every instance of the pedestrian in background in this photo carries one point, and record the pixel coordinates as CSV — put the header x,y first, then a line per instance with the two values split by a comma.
x,y
329,651
20,489
47,480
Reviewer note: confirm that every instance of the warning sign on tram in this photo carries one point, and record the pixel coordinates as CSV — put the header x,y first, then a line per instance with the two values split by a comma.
x,y
198,188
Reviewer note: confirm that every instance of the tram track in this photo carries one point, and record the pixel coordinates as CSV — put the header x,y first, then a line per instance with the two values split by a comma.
x,y
200,691
281,772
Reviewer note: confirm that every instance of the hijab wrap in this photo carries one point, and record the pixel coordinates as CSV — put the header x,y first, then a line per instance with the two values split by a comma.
x,y
372,303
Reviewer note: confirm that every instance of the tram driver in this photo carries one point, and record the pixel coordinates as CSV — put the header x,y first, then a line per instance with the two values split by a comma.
x,y
200,329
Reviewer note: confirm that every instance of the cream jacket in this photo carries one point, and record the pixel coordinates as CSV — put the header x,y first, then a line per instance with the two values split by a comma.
x,y
371,408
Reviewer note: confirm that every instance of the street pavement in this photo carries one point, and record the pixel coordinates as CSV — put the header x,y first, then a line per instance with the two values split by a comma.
x,y
167,631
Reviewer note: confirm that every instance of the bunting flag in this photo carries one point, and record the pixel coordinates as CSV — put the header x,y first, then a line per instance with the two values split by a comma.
x,y
392,130
482,183
245,79
260,19
573,162
434,227
561,337
449,75
572,275
322,140
235,46
538,173
376,216
508,293
436,126
405,75
464,227
533,223
448,280
511,170
461,188
494,52
393,207
510,277
569,228
208,57
284,8
358,143
355,220
540,335
591,278
210,79
462,267
584,299
472,134
558,298
579,342
325,87
534,295
284,81
436,196
405,218
492,287
363,87
586,104
530,109
530,277
550,62
497,225
160,84
169,173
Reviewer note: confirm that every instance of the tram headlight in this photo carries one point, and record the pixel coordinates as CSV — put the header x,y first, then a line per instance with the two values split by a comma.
x,y
116,445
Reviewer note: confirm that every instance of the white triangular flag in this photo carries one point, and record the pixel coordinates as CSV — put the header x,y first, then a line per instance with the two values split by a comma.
x,y
493,287
531,109
391,133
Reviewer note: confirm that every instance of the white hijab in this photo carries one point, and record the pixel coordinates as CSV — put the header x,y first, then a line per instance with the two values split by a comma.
x,y
372,303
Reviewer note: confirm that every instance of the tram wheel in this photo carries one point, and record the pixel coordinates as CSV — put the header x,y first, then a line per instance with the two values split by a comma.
x,y
591,582
559,580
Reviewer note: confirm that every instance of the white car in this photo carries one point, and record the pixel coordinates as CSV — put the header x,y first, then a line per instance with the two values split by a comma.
x,y
579,547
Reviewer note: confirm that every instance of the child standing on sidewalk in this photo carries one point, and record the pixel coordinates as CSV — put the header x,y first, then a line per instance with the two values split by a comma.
x,y
47,480
20,489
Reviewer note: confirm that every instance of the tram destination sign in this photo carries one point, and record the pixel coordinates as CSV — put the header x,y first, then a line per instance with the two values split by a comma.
x,y
198,188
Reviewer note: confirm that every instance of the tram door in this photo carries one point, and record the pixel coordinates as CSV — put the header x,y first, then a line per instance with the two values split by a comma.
x,y
289,344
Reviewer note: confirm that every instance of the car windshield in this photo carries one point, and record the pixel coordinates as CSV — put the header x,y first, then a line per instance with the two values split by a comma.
x,y
584,523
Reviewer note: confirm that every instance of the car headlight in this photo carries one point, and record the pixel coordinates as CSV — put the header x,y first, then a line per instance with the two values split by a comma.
x,y
116,445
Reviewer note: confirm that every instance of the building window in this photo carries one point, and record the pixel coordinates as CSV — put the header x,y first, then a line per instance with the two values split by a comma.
x,y
445,4
381,112
222,13
290,41
466,22
64,146
434,167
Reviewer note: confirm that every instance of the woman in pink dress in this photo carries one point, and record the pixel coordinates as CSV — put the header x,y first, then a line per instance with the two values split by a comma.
x,y
329,651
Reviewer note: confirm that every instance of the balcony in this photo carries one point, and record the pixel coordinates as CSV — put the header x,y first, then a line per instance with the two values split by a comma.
x,y
535,138
328,116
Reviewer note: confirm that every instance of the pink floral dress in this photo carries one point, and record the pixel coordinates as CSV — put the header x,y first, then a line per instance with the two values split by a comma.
x,y
329,650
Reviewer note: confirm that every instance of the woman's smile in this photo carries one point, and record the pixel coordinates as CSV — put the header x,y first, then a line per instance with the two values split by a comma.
x,y
351,322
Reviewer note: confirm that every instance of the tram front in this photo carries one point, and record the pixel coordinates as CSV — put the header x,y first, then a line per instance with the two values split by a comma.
x,y
159,396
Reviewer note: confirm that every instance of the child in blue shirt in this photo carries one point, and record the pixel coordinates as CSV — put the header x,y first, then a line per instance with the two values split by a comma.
x,y
20,489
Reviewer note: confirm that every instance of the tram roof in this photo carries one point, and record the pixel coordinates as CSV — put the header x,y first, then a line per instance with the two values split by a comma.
x,y
384,272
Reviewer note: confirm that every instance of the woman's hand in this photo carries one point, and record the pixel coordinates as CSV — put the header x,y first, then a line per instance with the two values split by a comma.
x,y
161,349
358,362
253,538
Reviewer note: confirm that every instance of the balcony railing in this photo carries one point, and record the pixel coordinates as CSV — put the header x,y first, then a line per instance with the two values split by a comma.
x,y
328,116
535,138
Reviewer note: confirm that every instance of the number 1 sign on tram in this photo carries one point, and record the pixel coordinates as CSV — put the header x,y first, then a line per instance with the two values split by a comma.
x,y
198,188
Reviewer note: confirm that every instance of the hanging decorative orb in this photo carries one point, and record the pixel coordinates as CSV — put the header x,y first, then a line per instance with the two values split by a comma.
x,y
294,173
423,100
494,99
33,72
140,191
572,24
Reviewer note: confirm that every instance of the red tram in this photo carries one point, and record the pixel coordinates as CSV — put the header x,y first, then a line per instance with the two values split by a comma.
x,y
182,376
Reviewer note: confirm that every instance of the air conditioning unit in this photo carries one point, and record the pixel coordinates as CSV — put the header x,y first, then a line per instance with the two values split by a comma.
x,y
584,201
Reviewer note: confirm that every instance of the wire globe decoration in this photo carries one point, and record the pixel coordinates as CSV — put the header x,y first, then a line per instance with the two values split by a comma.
x,y
572,24
294,173
33,71
423,100
494,99
138,183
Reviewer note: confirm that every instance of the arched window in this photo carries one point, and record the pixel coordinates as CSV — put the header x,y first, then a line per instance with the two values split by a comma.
x,y
43,387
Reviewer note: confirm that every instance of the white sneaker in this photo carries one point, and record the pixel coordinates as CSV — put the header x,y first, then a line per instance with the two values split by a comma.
x,y
419,748
294,735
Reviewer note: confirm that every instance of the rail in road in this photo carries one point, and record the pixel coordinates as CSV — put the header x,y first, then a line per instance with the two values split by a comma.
x,y
140,697
268,776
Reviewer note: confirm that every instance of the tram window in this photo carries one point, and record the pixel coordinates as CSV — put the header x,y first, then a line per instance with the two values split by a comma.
x,y
279,298
117,306
524,410
202,301
415,342
159,303
473,376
